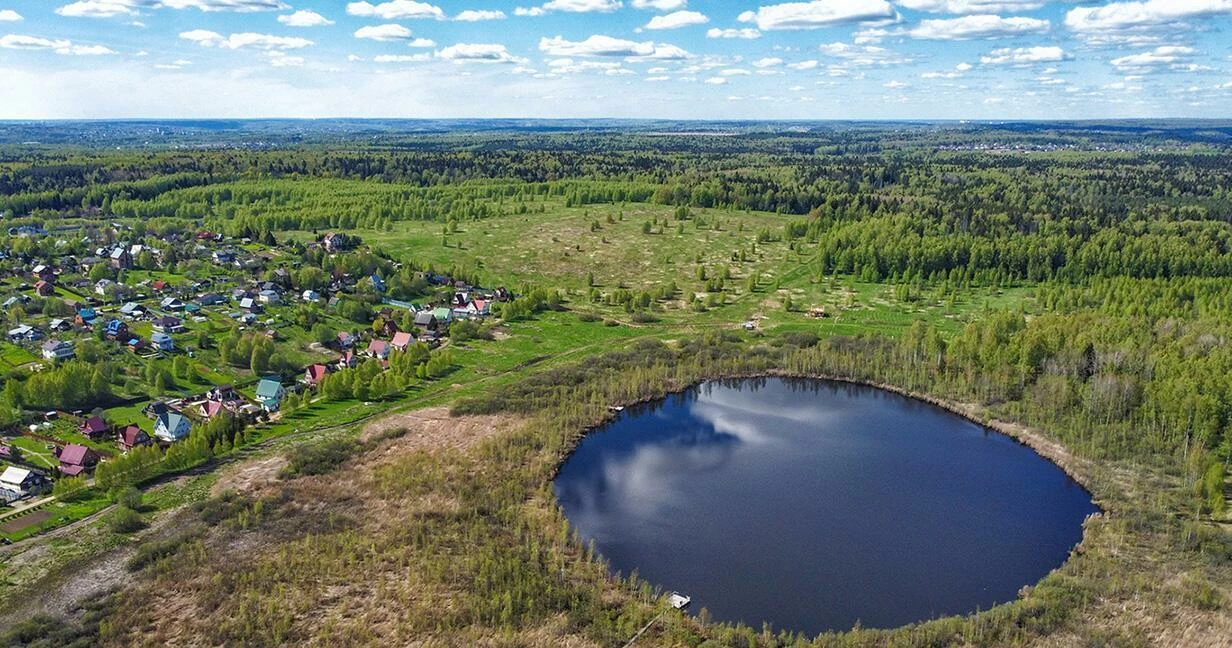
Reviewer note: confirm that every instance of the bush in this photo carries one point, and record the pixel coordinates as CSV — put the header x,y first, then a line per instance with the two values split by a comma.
x,y
151,552
319,458
611,323
70,489
128,497
125,520
589,317
642,317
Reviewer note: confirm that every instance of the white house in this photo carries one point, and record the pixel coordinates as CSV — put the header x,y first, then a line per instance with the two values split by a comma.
x,y
18,482
162,342
57,350
311,296
171,426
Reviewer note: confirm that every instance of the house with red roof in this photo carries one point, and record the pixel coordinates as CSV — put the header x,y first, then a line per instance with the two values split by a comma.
x,y
402,340
76,459
45,288
378,349
314,374
131,437
94,427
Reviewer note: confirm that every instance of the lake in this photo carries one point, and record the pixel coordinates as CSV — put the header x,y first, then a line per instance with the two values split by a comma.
x,y
813,505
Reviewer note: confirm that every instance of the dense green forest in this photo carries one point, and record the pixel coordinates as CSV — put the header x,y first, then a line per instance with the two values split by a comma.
x,y
1075,283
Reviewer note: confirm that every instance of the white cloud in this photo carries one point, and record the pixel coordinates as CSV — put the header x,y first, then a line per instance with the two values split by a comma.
x,y
1119,16
732,72
1165,55
895,85
746,33
818,14
600,45
401,58
8,15
804,65
1023,55
660,5
387,32
768,62
677,20
970,6
570,6
977,27
58,45
245,40
478,53
111,8
282,59
716,81
472,15
395,10
657,78
305,18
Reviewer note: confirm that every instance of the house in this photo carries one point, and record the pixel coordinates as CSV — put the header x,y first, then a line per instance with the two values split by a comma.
x,y
211,299
338,242
158,285
94,427
223,257
44,289
348,360
132,310
131,437
269,393
19,482
86,317
310,296
121,258
378,349
58,350
223,394
76,459
24,332
314,374
211,408
402,340
116,329
168,324
171,426
378,283
388,326
426,320
162,342
346,340
170,303
43,272
103,286
249,304
269,296
59,325
11,302
443,314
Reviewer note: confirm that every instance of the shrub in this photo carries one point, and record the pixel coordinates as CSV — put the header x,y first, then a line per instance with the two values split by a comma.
x,y
589,317
125,520
318,458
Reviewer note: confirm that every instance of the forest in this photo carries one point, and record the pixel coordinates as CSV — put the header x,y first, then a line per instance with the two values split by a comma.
x,y
1070,281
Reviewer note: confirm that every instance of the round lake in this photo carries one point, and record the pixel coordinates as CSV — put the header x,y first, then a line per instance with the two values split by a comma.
x,y
812,505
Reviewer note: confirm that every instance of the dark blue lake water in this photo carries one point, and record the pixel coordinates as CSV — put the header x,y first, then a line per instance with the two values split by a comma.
x,y
812,504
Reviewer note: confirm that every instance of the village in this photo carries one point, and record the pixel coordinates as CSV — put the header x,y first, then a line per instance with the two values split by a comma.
x,y
183,329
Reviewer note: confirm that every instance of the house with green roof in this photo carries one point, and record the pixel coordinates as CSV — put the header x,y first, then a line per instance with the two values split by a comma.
x,y
444,314
269,393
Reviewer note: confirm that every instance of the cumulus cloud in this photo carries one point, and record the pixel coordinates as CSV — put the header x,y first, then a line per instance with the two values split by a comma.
x,y
8,15
660,5
767,62
1023,55
58,45
600,45
1120,16
245,40
984,26
1172,56
478,53
970,6
111,8
716,80
472,15
745,33
395,10
388,32
677,20
305,18
401,58
818,14
570,6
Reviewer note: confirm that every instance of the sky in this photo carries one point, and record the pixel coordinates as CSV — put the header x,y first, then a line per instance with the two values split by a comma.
x,y
671,59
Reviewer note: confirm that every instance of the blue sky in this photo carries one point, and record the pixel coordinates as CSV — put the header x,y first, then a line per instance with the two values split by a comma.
x,y
827,59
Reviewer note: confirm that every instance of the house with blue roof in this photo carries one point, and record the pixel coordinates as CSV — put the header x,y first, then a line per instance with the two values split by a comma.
x,y
171,426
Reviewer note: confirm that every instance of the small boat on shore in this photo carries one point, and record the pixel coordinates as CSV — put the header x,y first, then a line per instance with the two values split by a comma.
x,y
678,600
